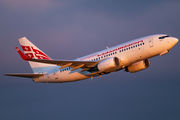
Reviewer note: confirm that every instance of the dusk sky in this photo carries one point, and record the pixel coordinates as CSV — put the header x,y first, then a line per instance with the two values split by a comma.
x,y
68,29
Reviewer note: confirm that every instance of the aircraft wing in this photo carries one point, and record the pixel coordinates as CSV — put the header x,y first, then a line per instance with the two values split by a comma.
x,y
66,62
27,75
63,63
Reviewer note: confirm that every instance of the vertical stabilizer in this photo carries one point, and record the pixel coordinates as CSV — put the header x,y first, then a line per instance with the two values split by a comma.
x,y
32,51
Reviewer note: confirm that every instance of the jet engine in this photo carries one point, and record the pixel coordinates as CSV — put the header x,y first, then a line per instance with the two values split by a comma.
x,y
108,64
138,66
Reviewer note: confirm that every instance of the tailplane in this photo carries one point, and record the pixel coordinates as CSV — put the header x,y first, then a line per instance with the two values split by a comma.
x,y
33,52
26,75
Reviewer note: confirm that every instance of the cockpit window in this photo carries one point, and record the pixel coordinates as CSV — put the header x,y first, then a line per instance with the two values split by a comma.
x,y
162,37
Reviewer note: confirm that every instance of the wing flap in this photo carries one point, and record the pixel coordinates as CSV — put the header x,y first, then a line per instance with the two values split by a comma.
x,y
27,75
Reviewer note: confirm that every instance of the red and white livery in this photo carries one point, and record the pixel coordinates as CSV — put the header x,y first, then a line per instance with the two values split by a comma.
x,y
132,56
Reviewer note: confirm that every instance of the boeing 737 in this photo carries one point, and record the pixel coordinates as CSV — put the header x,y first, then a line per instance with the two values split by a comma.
x,y
131,56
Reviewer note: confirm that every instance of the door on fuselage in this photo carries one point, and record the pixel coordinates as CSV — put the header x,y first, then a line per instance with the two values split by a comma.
x,y
150,42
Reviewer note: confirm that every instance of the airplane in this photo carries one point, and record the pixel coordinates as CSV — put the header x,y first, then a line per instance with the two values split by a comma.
x,y
131,56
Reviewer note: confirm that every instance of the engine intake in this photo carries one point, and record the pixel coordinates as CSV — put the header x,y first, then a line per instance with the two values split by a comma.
x,y
138,66
108,64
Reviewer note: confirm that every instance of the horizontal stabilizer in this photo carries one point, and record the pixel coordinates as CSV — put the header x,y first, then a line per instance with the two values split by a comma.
x,y
27,75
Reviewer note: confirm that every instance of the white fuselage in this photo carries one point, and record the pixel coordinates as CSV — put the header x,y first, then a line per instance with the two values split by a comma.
x,y
128,53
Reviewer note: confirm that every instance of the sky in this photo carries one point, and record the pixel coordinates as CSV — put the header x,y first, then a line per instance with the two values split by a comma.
x,y
68,29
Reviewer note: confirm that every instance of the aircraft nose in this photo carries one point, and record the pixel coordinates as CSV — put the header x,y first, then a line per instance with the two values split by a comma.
x,y
174,40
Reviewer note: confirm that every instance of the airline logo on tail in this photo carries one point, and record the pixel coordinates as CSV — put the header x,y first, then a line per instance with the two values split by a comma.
x,y
34,53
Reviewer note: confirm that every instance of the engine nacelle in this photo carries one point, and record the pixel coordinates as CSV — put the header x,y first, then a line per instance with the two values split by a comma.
x,y
108,64
138,66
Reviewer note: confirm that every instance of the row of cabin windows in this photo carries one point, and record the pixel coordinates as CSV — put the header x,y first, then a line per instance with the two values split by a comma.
x,y
65,69
104,56
128,48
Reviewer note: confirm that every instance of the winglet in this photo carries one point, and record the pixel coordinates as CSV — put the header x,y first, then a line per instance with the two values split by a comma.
x,y
23,56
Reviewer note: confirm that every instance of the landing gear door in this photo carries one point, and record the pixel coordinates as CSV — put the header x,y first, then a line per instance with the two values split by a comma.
x,y
150,42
